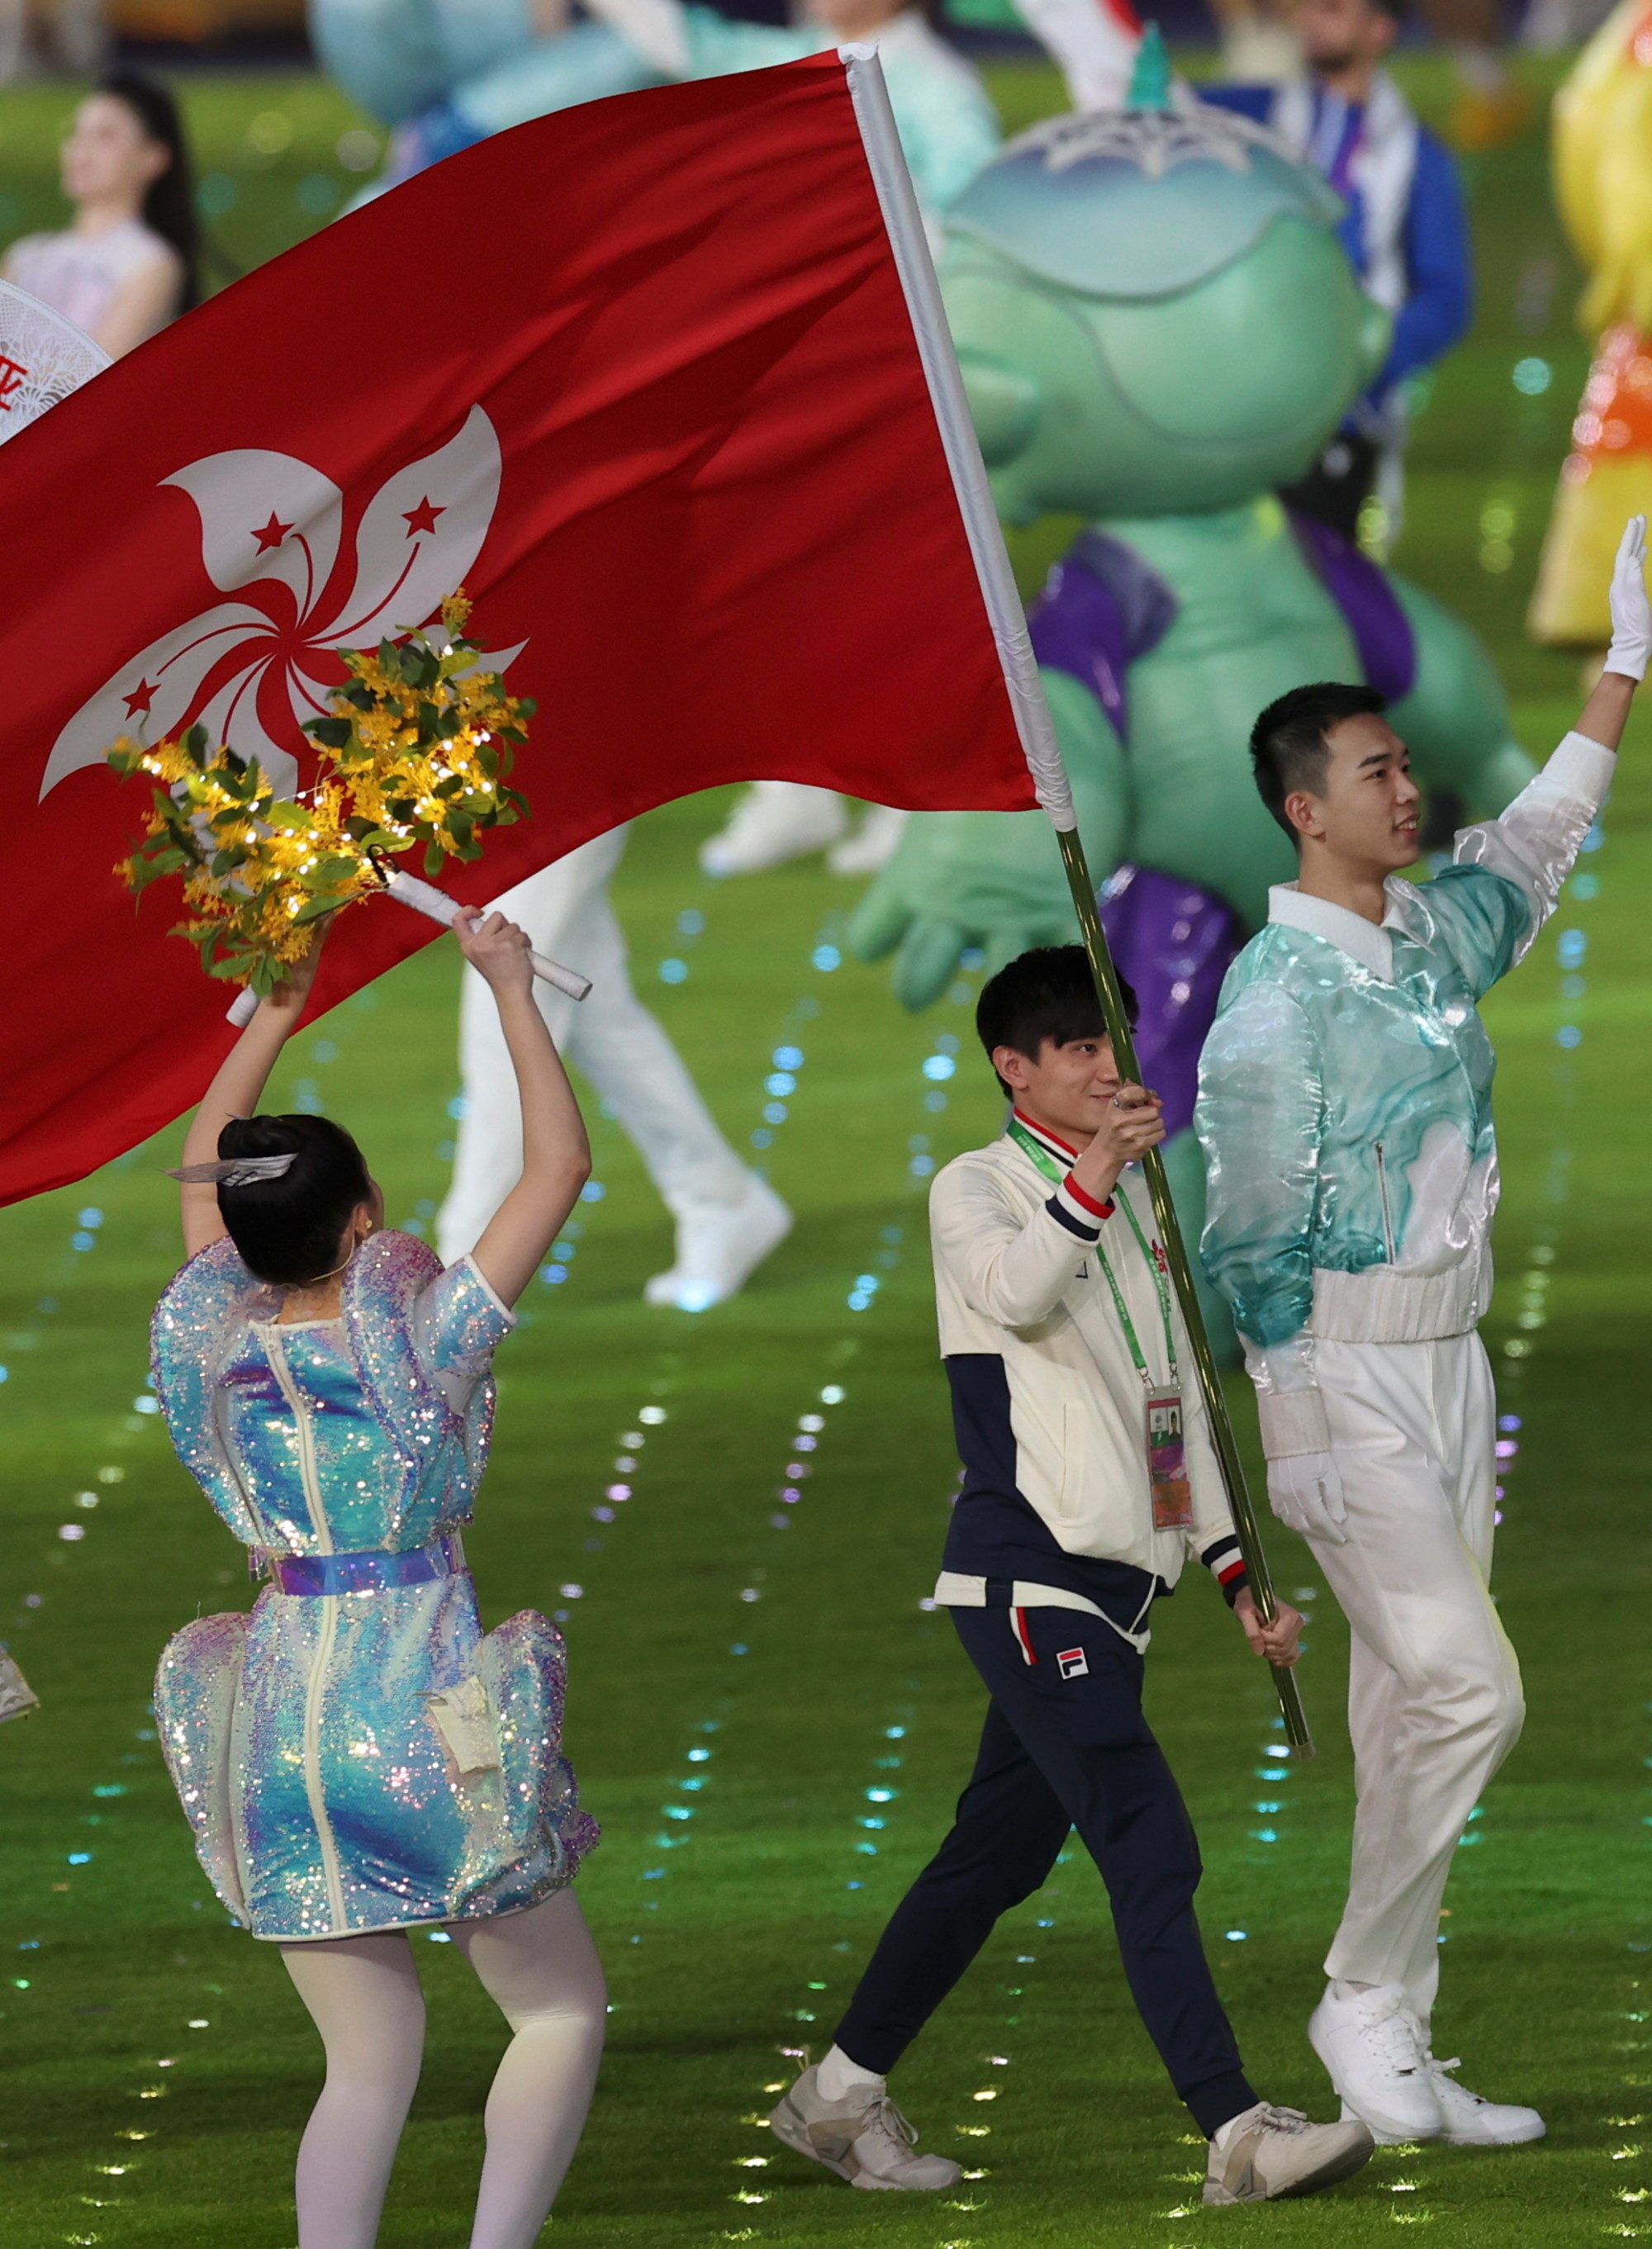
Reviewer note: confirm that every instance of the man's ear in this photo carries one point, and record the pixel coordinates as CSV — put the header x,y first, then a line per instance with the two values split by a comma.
x,y
1011,1065
1304,811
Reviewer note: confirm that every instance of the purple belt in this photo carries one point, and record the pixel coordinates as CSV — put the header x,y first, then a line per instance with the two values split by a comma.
x,y
366,1573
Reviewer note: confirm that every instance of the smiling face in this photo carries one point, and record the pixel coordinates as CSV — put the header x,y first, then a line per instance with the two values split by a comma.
x,y
1065,1088
1364,814
108,158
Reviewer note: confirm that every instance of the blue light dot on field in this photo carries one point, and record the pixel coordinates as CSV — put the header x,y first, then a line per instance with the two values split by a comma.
x,y
1532,377
1236,1935
762,1137
780,1083
146,1405
787,1057
935,1101
1585,887
689,922
1568,1036
833,1394
317,193
1594,839
673,970
826,958
593,1191
938,1068
83,1241
773,1112
80,1858
1570,947
216,195
90,1217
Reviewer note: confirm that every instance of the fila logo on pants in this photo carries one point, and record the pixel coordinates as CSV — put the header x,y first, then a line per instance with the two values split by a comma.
x,y
1072,1662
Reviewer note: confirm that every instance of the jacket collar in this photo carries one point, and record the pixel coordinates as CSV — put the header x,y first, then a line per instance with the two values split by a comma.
x,y
1367,942
1051,1142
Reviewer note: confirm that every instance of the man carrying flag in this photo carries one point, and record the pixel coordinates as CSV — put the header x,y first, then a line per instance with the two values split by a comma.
x,y
1089,1481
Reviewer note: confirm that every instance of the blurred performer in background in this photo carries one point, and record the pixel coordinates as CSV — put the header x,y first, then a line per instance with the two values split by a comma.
x,y
1405,232
728,1218
127,264
448,73
73,32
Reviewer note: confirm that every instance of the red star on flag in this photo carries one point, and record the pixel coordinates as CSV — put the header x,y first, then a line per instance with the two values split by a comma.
x,y
273,534
140,699
421,517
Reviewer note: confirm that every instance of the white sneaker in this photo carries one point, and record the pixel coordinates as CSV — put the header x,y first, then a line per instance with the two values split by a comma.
x,y
1377,2058
773,821
1473,2121
719,1246
1273,2154
865,2139
872,847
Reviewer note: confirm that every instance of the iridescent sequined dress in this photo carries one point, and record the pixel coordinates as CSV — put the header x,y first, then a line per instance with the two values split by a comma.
x,y
355,1753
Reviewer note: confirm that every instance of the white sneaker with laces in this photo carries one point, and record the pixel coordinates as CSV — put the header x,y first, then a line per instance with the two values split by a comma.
x,y
719,1246
1376,2057
773,821
1473,2121
864,2138
1274,2154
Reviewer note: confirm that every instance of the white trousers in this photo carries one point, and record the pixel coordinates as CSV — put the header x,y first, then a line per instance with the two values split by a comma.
x,y
610,1036
1434,1688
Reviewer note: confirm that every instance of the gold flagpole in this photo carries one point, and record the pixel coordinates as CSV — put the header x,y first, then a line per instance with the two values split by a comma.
x,y
911,249
1233,1475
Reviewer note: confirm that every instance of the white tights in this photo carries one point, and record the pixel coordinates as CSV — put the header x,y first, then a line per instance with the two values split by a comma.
x,y
540,1968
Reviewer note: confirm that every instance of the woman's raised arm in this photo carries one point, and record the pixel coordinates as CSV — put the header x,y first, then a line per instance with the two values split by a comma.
x,y
556,1157
236,1091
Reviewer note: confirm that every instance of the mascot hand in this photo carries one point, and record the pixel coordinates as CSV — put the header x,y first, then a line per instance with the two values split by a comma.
x,y
992,879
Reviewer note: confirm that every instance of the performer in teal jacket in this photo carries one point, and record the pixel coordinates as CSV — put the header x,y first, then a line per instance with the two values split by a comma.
x,y
1345,1118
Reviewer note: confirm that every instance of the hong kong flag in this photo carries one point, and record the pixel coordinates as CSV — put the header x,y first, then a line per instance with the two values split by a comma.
x,y
661,381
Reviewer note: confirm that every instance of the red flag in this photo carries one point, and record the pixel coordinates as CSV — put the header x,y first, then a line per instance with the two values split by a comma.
x,y
642,377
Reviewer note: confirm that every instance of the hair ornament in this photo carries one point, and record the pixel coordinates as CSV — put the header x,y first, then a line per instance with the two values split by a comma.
x,y
235,1171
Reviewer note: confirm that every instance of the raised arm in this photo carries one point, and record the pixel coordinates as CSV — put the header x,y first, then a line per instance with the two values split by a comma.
x,y
556,1157
237,1090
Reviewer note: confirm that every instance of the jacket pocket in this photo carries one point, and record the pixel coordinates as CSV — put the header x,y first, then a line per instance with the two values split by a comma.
x,y
1388,1214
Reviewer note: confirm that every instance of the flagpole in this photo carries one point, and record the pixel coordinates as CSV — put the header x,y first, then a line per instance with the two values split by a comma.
x,y
911,248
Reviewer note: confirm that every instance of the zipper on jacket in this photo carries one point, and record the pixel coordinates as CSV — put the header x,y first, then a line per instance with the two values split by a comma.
x,y
321,1661
1388,1217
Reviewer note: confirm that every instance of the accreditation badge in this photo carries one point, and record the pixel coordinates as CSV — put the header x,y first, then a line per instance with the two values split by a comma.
x,y
1167,1461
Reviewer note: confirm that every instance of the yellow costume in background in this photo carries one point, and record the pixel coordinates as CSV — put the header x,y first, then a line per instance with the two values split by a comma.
x,y
1603,184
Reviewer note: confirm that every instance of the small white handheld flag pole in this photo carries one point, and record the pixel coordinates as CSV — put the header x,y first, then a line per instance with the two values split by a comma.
x,y
910,247
425,898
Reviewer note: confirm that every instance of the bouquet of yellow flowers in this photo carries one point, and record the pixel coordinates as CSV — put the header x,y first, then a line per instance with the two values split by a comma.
x,y
418,750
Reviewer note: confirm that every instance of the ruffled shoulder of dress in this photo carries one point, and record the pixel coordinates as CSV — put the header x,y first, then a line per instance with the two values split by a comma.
x,y
382,1283
201,1295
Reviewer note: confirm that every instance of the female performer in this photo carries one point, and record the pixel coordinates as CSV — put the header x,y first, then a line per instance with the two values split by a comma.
x,y
127,264
356,1759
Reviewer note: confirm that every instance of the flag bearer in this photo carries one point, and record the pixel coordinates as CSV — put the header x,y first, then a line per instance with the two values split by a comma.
x,y
1089,1481
1345,1111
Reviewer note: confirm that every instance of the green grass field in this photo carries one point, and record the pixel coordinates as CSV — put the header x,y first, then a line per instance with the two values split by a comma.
x,y
155,2067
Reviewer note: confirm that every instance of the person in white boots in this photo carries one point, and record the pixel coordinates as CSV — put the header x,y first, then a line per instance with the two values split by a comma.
x,y
778,821
1089,1483
1344,1114
728,1218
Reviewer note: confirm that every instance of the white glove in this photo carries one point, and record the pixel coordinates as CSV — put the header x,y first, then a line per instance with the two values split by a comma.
x,y
1304,1490
1631,647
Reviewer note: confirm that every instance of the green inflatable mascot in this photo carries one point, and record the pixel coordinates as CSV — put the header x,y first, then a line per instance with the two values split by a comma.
x,y
1157,327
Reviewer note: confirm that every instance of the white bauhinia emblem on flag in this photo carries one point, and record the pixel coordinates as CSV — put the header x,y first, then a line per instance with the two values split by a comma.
x,y
252,671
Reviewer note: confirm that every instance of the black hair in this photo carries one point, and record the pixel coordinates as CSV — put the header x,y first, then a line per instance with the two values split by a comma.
x,y
169,201
1394,9
1288,741
288,1230
1046,993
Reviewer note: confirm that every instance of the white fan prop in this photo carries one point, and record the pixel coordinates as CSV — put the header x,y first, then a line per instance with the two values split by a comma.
x,y
43,358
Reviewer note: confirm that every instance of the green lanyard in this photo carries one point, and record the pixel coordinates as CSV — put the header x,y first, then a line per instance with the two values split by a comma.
x,y
1051,1170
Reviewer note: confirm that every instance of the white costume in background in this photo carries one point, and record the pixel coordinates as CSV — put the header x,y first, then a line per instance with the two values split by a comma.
x,y
727,1218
